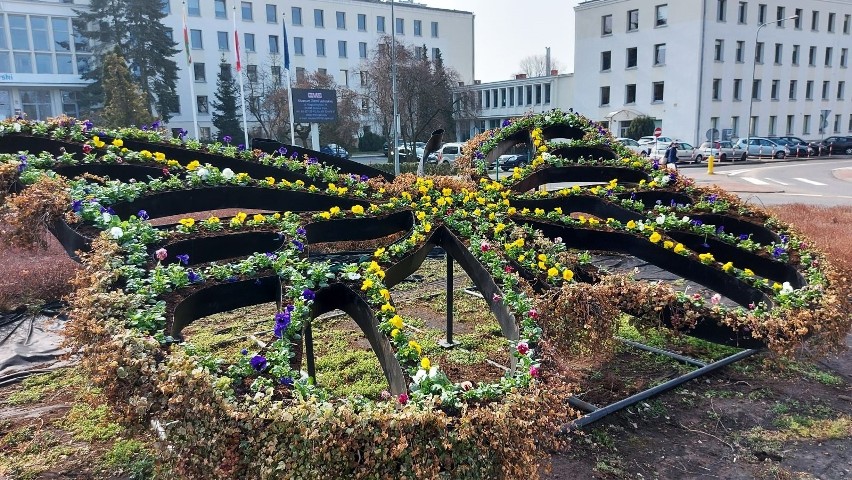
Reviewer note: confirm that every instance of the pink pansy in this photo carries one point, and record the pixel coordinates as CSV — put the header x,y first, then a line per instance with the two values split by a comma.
x,y
523,348
161,254
534,371
403,398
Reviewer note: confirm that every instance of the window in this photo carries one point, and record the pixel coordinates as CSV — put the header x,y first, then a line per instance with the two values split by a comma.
x,y
658,89
604,96
36,103
246,9
606,61
812,57
828,54
511,97
193,8
300,74
434,29
249,41
380,24
44,63
19,33
23,62
225,70
296,13
606,25
365,105
632,20
298,46
362,49
320,47
790,124
660,54
400,26
222,38
630,94
837,123
195,39
830,27
319,18
69,103
502,97
841,86
204,133
778,51
758,52
773,92
735,125
717,89
64,63
435,53
202,103
546,93
742,12
740,51
779,16
362,22
38,29
344,74
718,49
793,88
273,44
755,89
529,95
826,85
219,8
761,13
738,85
752,130
61,35
275,70
806,125
418,28
251,73
363,76
341,20
815,21
721,7
341,48
538,94
773,121
632,57
198,69
661,15
795,60
850,123
844,54
809,90
847,19
271,13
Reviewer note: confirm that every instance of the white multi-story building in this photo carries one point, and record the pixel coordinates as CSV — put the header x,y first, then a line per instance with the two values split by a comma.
x,y
40,65
731,65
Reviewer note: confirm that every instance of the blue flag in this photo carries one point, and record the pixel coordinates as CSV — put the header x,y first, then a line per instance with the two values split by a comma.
x,y
286,47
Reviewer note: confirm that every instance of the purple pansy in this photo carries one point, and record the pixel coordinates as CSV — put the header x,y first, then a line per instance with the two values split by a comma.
x,y
299,245
192,276
184,259
258,362
226,139
308,294
143,215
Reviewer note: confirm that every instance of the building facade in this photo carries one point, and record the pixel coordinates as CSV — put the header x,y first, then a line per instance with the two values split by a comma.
x,y
733,66
41,63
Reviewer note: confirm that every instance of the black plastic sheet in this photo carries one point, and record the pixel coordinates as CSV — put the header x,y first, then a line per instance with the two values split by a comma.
x,y
30,342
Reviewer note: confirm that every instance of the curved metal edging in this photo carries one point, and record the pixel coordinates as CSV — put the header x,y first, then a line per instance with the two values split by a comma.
x,y
736,226
592,152
579,173
345,166
223,246
649,198
594,205
359,228
70,239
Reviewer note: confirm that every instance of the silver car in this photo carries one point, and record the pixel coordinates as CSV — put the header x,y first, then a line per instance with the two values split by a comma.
x,y
634,146
684,152
761,147
721,151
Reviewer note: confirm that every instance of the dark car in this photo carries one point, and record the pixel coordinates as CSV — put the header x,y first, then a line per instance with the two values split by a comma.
x,y
837,145
813,148
508,162
336,150
796,149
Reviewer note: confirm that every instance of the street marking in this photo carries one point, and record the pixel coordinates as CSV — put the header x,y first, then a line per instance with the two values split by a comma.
x,y
808,181
755,181
736,172
776,181
803,194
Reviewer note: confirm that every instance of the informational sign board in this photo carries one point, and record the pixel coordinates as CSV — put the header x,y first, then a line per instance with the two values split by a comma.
x,y
314,105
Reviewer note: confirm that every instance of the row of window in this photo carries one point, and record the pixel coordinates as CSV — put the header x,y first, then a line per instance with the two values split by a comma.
x,y
657,94
39,33
790,124
200,73
247,14
775,89
45,63
37,104
661,18
631,59
538,94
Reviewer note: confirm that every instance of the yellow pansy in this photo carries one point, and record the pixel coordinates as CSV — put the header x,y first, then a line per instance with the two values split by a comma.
x,y
416,346
567,275
655,237
387,307
118,142
728,266
631,224
425,363
379,252
396,321
159,156
357,209
552,272
668,244
679,248
334,210
193,165
325,215
187,222
394,332
367,284
270,181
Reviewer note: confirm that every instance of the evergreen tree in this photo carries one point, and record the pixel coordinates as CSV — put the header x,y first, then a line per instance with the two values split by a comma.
x,y
135,27
641,126
225,117
124,102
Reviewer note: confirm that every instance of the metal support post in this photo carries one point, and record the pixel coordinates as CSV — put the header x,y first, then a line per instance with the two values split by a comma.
x,y
448,342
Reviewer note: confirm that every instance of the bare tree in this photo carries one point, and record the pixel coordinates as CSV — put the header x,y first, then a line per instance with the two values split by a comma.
x,y
536,65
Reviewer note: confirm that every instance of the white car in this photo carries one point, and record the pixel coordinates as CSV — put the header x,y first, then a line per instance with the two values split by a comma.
x,y
722,151
650,140
684,152
448,152
634,146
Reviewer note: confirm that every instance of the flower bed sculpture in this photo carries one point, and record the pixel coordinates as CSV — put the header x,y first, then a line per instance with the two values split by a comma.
x,y
525,248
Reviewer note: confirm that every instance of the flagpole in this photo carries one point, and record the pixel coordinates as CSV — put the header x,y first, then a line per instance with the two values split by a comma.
x,y
193,102
289,86
239,74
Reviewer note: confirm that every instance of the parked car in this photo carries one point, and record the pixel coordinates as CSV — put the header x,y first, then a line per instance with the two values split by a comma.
x,y
650,140
837,145
722,151
336,150
407,151
509,161
684,152
634,146
796,149
813,147
761,147
447,153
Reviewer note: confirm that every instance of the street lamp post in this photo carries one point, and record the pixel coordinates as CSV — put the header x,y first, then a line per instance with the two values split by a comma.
x,y
753,70
393,94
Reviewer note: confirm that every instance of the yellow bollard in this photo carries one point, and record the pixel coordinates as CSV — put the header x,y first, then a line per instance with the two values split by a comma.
x,y
710,164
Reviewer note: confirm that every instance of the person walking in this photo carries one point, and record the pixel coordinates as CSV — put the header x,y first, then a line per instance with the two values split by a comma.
x,y
671,156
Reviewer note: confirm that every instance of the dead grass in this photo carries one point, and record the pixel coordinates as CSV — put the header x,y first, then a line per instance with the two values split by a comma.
x,y
829,228
34,276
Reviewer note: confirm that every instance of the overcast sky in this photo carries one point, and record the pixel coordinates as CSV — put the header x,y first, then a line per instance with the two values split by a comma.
x,y
507,31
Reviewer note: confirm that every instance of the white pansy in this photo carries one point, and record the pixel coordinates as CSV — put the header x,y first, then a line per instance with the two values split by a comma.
x,y
227,174
786,288
116,232
685,219
661,219
107,217
202,173
433,371
419,376
16,127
